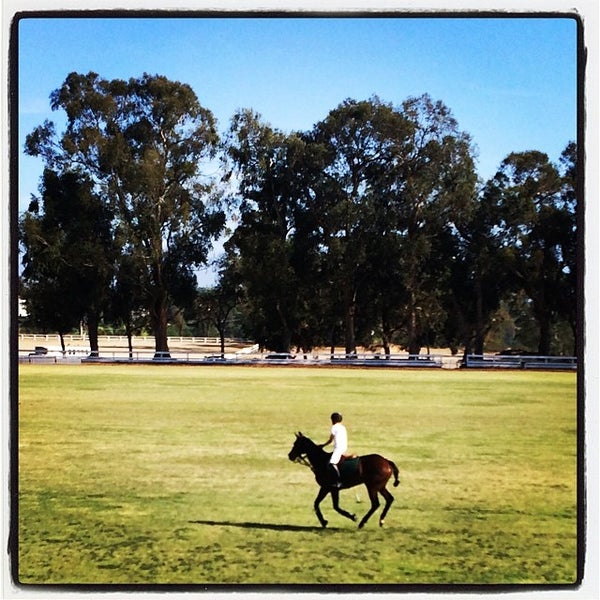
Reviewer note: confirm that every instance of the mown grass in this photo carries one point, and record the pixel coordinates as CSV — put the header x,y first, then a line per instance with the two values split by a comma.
x,y
180,475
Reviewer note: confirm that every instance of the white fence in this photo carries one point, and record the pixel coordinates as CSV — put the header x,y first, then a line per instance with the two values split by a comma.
x,y
42,348
122,339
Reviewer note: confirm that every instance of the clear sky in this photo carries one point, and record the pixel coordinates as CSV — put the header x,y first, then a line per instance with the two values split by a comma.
x,y
510,82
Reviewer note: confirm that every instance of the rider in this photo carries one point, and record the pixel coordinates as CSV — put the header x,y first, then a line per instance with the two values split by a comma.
x,y
339,437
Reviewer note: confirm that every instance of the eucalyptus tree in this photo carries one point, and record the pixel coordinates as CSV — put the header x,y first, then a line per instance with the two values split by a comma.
x,y
570,300
272,246
143,143
397,176
69,255
478,276
538,229
432,186
338,220
360,143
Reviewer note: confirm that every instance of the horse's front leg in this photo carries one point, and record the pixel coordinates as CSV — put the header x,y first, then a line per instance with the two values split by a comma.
x,y
335,497
322,493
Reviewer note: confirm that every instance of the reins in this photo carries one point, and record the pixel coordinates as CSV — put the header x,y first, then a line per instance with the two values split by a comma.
x,y
302,460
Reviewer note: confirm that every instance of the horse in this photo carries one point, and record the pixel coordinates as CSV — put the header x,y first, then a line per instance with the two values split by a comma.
x,y
372,469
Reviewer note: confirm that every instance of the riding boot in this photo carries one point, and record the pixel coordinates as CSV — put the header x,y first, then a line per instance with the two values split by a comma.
x,y
336,481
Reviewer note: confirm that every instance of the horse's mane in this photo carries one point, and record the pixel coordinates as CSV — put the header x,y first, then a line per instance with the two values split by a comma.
x,y
313,444
314,447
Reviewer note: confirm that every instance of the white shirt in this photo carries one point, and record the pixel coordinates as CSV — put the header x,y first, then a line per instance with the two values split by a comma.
x,y
340,438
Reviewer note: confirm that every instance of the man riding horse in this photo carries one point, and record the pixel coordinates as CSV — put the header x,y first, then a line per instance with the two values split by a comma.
x,y
372,469
339,437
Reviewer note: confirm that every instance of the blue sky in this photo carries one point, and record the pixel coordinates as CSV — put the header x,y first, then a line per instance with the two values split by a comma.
x,y
509,82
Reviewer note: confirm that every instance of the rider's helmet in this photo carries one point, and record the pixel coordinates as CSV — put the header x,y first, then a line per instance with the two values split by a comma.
x,y
336,417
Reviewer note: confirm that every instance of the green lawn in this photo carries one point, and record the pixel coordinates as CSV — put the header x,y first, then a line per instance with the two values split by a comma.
x,y
161,474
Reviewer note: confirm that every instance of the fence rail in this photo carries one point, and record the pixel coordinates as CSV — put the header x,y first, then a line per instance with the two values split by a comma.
x,y
244,356
136,340
498,361
240,353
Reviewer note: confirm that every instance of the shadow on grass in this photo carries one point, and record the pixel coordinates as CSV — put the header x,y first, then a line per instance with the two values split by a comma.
x,y
253,525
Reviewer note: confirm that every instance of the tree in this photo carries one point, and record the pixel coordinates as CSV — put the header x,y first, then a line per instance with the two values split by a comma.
x,y
538,227
397,178
360,141
126,296
433,187
478,277
69,255
337,228
142,142
263,247
570,247
216,304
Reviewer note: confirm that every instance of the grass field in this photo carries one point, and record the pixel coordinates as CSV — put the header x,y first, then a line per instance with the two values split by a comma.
x,y
179,475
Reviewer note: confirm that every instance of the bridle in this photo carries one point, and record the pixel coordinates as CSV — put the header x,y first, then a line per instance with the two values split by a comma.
x,y
302,459
303,452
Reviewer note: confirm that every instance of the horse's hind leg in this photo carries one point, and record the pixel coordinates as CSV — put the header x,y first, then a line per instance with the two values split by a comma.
x,y
322,493
335,497
374,507
388,502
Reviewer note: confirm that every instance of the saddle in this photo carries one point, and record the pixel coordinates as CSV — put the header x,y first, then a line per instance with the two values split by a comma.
x,y
348,466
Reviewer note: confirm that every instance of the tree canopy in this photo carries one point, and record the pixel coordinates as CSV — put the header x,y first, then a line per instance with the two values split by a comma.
x,y
370,229
142,142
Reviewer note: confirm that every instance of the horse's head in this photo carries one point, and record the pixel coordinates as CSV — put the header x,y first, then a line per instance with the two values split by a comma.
x,y
299,447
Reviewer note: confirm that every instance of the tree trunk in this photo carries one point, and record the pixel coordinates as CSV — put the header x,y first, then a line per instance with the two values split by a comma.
x,y
221,331
543,317
545,336
285,341
478,345
62,342
129,333
92,324
386,345
350,322
385,337
467,350
332,340
414,344
414,348
160,324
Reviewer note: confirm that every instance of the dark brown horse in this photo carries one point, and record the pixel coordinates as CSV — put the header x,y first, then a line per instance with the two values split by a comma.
x,y
372,469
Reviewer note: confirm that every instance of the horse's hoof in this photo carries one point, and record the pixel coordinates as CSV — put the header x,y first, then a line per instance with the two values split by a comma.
x,y
353,517
381,523
324,524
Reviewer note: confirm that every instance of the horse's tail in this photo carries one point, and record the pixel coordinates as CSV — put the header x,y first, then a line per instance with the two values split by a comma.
x,y
396,472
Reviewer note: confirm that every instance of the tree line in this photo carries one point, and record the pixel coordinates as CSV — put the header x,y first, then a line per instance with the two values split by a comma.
x,y
370,229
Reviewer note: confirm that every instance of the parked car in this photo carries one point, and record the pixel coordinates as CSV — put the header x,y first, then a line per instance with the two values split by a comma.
x,y
42,351
515,352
